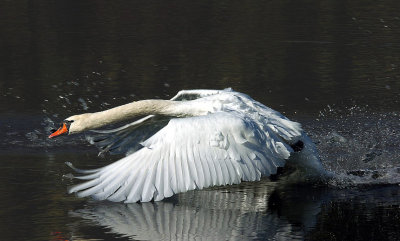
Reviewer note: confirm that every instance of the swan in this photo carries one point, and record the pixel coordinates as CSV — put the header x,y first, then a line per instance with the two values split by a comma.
x,y
197,139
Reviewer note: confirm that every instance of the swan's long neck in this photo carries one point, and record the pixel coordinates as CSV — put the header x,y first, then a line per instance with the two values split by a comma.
x,y
139,108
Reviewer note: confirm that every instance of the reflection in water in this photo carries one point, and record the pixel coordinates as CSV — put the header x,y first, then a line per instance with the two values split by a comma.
x,y
247,212
235,213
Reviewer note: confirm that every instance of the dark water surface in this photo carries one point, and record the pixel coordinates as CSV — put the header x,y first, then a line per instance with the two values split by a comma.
x,y
332,65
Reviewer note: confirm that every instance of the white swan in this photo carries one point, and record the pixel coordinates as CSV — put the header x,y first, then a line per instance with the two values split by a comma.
x,y
213,137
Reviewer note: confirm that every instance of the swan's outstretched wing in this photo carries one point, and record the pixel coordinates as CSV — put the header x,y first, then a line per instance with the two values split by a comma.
x,y
189,153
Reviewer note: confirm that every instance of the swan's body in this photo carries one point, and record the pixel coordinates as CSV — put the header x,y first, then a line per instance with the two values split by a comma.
x,y
219,137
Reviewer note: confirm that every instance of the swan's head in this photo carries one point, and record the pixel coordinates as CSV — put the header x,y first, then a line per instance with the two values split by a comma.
x,y
71,125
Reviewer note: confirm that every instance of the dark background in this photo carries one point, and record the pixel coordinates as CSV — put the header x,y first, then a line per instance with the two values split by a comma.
x,y
300,54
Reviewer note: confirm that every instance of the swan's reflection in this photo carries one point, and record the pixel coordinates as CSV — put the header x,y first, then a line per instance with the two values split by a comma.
x,y
229,213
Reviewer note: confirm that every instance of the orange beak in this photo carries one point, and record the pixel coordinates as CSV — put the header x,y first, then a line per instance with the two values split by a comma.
x,y
63,129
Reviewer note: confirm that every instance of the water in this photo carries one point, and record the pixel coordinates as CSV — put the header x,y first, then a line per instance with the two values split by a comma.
x,y
331,65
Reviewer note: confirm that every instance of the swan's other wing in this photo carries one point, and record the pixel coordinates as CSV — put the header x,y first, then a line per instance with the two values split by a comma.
x,y
267,118
189,153
195,94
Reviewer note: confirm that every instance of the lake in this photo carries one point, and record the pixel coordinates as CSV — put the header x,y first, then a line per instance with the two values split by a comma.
x,y
331,65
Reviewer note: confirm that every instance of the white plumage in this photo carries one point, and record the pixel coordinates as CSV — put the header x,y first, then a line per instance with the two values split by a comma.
x,y
218,137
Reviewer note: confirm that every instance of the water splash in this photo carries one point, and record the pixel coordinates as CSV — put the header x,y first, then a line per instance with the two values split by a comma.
x,y
360,146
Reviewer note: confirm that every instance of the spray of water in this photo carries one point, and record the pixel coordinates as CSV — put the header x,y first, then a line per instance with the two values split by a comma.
x,y
361,147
